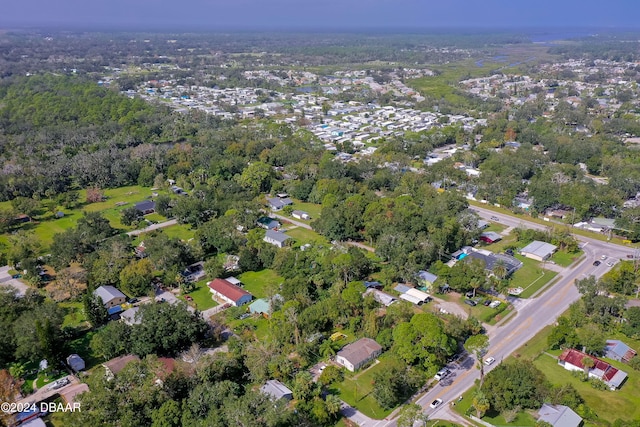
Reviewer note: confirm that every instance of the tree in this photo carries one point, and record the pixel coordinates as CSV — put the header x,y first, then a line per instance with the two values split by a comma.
x,y
477,345
95,310
409,414
168,415
517,383
94,195
153,336
257,177
423,341
588,363
130,215
22,245
38,334
70,282
112,340
135,278
480,403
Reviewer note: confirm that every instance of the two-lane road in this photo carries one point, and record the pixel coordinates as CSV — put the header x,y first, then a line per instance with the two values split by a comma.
x,y
531,317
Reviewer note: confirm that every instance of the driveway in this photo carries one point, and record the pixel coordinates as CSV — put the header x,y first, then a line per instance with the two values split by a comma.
x,y
153,227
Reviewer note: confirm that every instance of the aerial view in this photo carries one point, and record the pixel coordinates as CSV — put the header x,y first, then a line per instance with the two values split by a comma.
x,y
336,214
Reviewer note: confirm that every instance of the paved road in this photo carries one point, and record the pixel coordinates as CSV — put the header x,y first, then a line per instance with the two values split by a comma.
x,y
153,227
532,316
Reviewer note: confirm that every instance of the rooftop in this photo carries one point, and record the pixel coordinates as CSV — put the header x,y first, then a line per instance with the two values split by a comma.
x,y
538,248
227,289
107,293
359,351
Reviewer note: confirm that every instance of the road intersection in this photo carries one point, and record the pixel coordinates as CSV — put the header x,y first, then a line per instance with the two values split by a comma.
x,y
531,317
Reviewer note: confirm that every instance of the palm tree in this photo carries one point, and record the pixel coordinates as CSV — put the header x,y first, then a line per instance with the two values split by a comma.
x,y
481,403
588,363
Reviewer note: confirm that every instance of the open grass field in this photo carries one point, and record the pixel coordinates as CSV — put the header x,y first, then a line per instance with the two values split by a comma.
x,y
565,259
258,282
304,235
530,277
356,388
311,208
201,296
46,225
74,315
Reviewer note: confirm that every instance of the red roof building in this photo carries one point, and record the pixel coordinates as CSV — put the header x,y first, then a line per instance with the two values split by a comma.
x,y
572,359
229,292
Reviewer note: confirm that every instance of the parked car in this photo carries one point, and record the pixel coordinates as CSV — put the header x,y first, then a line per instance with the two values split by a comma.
x,y
596,263
495,218
58,384
603,257
489,361
486,302
436,403
610,264
495,304
441,374
470,302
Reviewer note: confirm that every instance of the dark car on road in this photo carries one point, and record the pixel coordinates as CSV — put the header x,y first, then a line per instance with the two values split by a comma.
x,y
596,263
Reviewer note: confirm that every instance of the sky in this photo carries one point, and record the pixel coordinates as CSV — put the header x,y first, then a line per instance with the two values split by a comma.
x,y
213,15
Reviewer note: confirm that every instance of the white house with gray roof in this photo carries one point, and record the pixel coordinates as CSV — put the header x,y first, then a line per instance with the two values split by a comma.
x,y
539,251
110,296
276,238
355,355
559,416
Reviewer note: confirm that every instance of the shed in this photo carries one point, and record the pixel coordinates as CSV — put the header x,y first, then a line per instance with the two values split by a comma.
x,y
75,362
490,237
382,297
300,215
538,250
276,390
412,299
424,297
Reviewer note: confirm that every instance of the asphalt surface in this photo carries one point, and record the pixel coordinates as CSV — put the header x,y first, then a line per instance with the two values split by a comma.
x,y
532,316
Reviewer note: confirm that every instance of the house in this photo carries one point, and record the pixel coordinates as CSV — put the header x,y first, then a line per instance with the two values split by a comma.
x,y
540,251
110,296
382,297
194,272
617,350
269,223
423,296
426,279
229,292
571,360
265,306
277,203
490,237
75,362
276,390
559,416
355,355
146,207
114,366
276,238
374,284
68,394
490,259
300,215
130,316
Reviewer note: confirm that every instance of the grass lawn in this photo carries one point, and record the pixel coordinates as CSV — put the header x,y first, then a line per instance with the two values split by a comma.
x,y
46,225
501,245
356,389
179,231
494,226
304,235
311,208
565,259
609,405
201,296
536,345
81,347
530,277
74,315
257,282
485,313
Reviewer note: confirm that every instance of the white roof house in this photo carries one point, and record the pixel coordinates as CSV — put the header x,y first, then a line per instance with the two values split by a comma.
x,y
276,238
559,416
539,251
276,390
110,296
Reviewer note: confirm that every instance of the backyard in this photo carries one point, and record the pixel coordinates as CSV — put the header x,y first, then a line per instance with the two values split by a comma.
x,y
356,389
258,282
201,296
